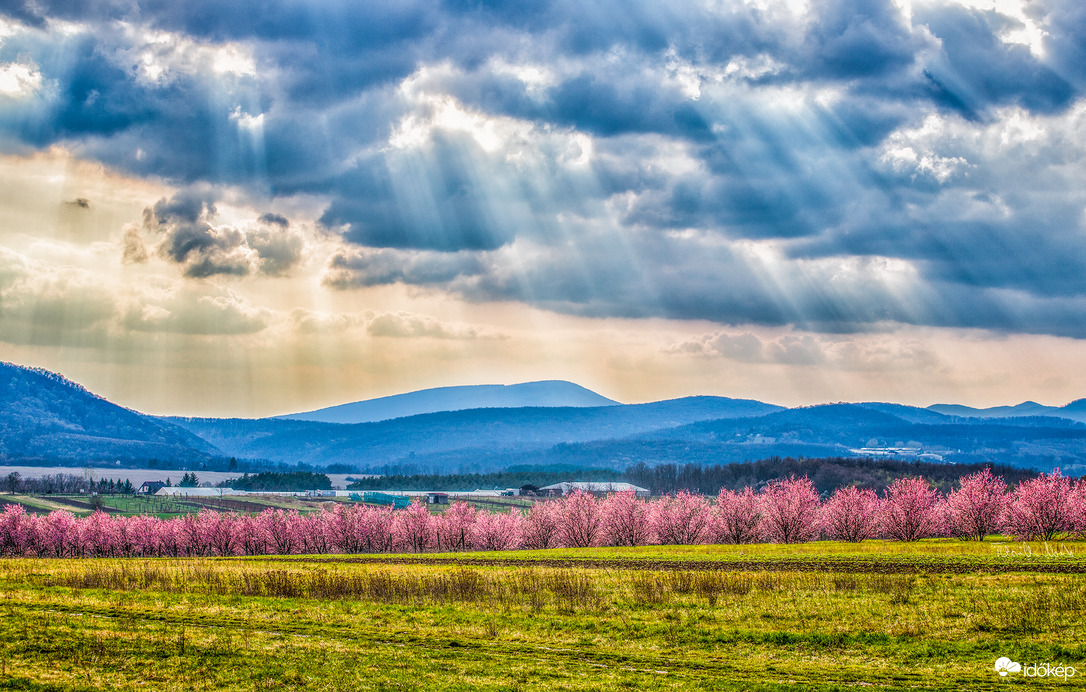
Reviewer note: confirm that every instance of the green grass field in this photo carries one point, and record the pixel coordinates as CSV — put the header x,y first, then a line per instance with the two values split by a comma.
x,y
812,616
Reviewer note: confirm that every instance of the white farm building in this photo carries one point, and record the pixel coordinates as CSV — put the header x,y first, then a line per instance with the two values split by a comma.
x,y
596,488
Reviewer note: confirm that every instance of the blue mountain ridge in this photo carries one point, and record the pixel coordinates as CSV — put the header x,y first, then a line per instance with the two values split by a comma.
x,y
45,417
391,441
548,393
1076,410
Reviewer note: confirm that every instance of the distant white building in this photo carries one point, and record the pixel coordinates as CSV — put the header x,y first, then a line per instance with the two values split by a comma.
x,y
178,491
596,488
452,494
898,453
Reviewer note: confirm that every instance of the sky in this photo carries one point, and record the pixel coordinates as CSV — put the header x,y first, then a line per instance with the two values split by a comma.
x,y
252,208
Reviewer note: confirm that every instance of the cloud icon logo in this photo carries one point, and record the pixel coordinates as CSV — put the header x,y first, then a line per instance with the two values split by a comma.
x,y
1005,665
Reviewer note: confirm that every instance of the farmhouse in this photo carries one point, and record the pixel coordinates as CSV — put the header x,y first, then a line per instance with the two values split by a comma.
x,y
151,487
595,488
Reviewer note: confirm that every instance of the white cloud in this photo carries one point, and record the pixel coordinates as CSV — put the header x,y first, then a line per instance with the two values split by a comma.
x,y
410,325
194,310
858,353
536,77
685,75
45,304
246,121
915,150
19,79
756,67
160,57
323,324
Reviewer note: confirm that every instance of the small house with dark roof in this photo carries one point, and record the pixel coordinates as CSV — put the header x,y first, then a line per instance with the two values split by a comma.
x,y
151,487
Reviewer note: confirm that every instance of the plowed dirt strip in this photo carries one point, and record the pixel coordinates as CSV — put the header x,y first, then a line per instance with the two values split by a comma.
x,y
884,565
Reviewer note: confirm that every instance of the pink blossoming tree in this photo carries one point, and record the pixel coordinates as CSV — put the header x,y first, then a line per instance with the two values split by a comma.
x,y
791,510
908,510
497,531
1078,509
1041,508
414,528
976,508
626,519
540,530
453,528
580,523
738,516
851,514
683,519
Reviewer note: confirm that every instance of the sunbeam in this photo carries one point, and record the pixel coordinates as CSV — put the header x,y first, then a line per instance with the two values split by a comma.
x,y
209,210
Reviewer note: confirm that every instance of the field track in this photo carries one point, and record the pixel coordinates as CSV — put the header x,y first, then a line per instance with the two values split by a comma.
x,y
852,565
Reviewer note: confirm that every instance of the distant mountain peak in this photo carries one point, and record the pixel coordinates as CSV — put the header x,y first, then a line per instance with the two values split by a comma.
x,y
544,393
1076,410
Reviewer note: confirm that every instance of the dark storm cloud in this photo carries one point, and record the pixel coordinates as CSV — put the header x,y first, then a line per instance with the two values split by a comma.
x,y
721,287
278,249
977,70
191,241
379,22
453,214
859,39
1066,40
839,171
271,219
738,205
135,249
89,95
186,234
600,107
378,267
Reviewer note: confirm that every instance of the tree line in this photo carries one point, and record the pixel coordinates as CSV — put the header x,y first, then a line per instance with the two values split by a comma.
x,y
827,475
271,481
65,484
786,510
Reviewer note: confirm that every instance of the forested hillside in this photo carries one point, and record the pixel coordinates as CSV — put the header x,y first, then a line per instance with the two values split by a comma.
x,y
47,418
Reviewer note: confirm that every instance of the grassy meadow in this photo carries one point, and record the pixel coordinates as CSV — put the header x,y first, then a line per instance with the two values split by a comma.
x,y
811,616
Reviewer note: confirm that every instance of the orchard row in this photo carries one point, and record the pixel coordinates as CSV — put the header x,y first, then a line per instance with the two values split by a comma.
x,y
785,511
